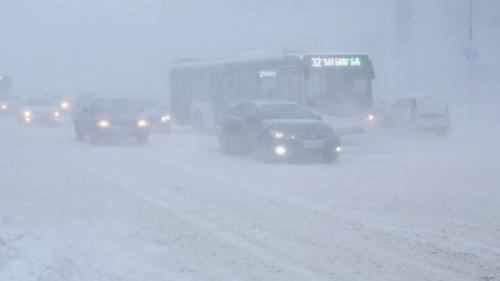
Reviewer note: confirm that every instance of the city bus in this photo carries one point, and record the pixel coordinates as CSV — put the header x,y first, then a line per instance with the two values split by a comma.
x,y
336,85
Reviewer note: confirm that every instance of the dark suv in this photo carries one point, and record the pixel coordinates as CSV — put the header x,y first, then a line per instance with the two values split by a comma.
x,y
276,130
107,118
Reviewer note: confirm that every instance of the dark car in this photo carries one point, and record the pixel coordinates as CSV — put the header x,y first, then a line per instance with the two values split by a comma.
x,y
277,130
39,111
111,118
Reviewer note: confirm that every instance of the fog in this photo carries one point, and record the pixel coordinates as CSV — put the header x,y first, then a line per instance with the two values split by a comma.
x,y
399,203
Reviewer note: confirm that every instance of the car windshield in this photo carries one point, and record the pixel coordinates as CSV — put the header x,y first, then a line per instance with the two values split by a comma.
x,y
39,102
283,111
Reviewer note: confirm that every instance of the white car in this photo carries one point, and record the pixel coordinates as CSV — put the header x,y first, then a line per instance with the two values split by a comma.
x,y
418,114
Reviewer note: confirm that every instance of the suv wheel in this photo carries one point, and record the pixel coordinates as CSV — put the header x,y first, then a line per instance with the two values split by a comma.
x,y
225,144
78,133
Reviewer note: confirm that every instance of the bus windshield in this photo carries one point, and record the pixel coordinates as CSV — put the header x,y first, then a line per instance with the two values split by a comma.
x,y
338,92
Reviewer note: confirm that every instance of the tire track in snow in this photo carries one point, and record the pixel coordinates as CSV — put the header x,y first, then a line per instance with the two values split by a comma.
x,y
233,239
133,186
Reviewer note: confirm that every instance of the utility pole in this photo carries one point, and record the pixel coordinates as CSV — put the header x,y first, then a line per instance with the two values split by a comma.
x,y
403,45
471,55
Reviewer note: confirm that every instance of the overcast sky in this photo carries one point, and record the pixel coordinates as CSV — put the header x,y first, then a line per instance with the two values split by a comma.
x,y
65,46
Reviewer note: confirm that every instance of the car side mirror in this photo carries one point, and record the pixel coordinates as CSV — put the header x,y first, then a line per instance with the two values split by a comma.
x,y
251,118
316,116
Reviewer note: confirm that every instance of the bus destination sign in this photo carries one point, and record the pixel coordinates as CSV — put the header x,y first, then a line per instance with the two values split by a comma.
x,y
335,61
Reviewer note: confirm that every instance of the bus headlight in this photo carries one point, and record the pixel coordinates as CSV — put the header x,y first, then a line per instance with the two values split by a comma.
x,y
103,124
142,123
165,118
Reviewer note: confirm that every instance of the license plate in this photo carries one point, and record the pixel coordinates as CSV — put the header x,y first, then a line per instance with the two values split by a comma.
x,y
123,131
314,144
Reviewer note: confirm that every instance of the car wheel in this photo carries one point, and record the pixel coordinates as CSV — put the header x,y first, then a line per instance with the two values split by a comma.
x,y
142,139
262,152
225,144
442,133
95,140
330,156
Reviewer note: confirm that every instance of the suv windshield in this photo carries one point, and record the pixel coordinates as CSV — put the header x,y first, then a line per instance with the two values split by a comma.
x,y
116,106
283,111
39,102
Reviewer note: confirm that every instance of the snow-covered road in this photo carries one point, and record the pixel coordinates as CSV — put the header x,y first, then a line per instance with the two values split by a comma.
x,y
176,209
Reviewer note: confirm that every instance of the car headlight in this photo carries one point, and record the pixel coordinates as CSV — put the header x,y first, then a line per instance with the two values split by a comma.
x,y
142,123
103,123
277,134
57,114
338,149
280,150
27,113
370,118
64,105
4,106
165,118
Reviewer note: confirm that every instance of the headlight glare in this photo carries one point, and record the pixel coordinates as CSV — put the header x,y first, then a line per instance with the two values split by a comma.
x,y
103,123
165,118
277,134
64,105
280,150
142,123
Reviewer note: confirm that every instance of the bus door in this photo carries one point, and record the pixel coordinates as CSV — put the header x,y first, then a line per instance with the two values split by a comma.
x,y
290,84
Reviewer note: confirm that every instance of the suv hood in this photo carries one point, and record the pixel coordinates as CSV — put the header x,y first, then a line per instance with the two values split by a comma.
x,y
119,116
298,125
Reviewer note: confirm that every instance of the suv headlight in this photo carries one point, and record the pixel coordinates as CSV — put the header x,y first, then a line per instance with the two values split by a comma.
x,y
142,123
103,123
